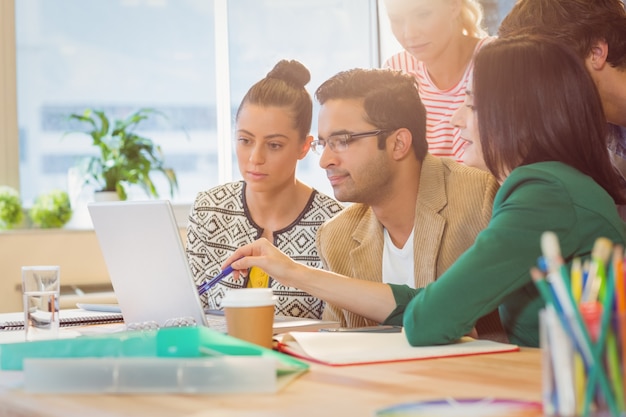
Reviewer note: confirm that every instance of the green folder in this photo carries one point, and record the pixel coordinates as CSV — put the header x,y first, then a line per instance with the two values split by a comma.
x,y
199,346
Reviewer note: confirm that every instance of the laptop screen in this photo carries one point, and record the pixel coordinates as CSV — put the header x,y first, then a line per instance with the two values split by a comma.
x,y
146,261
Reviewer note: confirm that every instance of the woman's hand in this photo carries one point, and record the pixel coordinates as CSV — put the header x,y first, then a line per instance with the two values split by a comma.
x,y
473,334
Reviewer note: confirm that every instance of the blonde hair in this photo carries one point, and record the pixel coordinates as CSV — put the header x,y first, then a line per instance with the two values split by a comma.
x,y
472,19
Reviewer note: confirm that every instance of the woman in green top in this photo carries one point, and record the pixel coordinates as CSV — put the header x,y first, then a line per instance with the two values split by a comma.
x,y
535,120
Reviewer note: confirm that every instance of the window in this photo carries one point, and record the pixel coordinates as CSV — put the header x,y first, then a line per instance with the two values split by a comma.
x,y
176,56
191,59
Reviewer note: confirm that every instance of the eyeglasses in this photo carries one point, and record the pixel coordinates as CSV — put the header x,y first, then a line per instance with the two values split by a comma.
x,y
340,142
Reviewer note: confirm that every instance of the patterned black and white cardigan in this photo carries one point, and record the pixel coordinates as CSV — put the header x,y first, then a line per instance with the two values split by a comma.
x,y
220,222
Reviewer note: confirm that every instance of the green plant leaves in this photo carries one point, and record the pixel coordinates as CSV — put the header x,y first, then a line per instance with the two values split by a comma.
x,y
124,156
11,213
51,210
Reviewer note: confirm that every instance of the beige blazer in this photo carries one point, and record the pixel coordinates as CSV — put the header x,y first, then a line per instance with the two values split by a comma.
x,y
454,203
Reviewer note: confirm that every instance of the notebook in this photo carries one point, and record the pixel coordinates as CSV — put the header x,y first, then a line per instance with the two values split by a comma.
x,y
149,271
360,348
67,318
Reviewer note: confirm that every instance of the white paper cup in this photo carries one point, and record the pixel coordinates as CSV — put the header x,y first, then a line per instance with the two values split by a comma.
x,y
250,315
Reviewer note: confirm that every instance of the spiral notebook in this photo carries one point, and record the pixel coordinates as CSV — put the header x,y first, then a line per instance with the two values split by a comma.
x,y
67,318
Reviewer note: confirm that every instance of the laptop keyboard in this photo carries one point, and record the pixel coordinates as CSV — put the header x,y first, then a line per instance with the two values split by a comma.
x,y
217,323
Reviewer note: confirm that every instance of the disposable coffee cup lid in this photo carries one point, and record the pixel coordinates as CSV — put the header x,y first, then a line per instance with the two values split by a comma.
x,y
249,297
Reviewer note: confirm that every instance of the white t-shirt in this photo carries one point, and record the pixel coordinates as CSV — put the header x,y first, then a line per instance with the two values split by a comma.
x,y
398,262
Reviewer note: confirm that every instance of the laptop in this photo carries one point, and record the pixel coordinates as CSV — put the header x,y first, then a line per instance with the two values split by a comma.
x,y
142,249
147,264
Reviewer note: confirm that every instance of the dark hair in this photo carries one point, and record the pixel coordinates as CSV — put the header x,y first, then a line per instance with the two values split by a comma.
x,y
577,23
284,87
390,99
535,102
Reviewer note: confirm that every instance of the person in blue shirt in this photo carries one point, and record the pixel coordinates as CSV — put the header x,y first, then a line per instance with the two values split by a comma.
x,y
535,118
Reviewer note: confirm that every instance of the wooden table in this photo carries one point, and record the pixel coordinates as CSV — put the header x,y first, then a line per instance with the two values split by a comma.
x,y
322,392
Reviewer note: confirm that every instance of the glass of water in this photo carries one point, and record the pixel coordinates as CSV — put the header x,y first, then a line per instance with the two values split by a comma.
x,y
41,288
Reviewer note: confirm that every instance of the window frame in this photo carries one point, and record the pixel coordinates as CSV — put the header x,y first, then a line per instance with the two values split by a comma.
x,y
9,137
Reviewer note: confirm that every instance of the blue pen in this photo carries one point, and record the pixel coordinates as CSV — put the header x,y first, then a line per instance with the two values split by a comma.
x,y
202,288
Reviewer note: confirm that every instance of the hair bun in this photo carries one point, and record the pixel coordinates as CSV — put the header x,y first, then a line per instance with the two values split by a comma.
x,y
291,72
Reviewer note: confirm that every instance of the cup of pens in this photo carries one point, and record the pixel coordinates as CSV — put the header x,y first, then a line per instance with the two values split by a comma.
x,y
582,330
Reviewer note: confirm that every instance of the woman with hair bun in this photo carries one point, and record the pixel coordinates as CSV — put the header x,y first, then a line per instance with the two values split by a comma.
x,y
272,131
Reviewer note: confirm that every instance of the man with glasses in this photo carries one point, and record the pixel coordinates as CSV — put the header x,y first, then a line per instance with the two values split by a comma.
x,y
414,213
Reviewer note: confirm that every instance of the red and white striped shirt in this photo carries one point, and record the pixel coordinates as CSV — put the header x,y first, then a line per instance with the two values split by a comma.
x,y
443,138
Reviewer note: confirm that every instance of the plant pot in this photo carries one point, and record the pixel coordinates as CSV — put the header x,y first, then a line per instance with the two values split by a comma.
x,y
106,196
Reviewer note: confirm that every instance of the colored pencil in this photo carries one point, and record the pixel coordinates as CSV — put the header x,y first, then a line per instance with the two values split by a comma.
x,y
579,364
595,287
620,295
599,349
613,356
577,279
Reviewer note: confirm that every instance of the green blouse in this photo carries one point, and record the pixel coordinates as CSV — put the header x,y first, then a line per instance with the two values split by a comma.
x,y
494,271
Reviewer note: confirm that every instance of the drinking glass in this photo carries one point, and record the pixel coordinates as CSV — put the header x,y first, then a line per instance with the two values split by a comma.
x,y
40,290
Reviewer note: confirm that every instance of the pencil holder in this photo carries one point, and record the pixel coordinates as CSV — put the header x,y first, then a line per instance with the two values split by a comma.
x,y
566,378
582,332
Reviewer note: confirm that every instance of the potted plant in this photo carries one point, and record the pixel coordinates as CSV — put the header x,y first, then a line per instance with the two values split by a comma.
x,y
124,156
11,213
51,210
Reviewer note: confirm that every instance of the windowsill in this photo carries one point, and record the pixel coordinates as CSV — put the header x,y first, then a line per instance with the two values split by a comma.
x,y
81,222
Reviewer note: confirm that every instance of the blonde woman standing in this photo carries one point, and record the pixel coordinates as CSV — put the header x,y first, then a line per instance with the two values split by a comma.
x,y
440,39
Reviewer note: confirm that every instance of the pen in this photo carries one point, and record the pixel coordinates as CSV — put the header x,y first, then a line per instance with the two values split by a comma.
x,y
595,287
204,287
563,296
548,388
579,365
620,291
556,380
612,358
612,350
381,328
577,279
596,371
